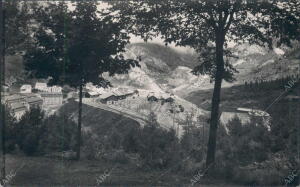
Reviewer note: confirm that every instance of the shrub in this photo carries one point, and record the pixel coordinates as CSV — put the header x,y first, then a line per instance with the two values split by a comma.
x,y
269,177
158,148
29,131
60,133
10,124
248,143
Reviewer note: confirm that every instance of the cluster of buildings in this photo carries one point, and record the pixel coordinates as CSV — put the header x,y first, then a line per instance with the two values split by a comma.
x,y
117,94
29,97
113,95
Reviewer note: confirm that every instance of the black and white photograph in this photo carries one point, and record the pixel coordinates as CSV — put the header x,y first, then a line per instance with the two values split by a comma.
x,y
145,93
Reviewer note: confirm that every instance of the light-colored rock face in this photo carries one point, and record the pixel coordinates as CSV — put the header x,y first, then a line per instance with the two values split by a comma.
x,y
166,69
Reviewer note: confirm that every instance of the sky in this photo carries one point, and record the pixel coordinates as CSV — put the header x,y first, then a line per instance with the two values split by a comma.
x,y
136,39
158,40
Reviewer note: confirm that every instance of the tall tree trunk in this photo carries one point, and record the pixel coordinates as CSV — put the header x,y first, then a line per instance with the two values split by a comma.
x,y
2,80
214,117
79,122
298,131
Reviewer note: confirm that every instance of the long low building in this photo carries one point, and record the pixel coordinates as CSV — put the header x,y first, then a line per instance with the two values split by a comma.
x,y
52,98
19,104
16,98
111,97
34,102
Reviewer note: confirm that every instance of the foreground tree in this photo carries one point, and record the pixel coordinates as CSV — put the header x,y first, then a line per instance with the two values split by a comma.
x,y
76,47
13,33
208,26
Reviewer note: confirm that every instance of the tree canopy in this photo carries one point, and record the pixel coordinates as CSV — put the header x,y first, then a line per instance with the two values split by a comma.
x,y
17,17
77,46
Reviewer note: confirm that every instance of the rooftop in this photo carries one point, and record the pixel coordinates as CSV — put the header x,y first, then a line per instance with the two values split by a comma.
x,y
93,93
33,99
28,95
40,84
14,97
106,95
26,86
17,105
51,94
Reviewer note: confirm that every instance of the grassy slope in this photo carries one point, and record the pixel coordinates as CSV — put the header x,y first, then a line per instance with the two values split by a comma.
x,y
41,171
92,117
238,96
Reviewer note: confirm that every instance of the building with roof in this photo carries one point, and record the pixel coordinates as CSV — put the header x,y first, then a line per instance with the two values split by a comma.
x,y
244,109
115,95
91,94
17,109
54,89
40,86
17,105
14,99
253,112
52,98
108,98
26,88
29,95
34,102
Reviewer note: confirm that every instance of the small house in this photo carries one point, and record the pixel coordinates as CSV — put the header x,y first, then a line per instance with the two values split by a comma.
x,y
26,88
40,86
91,94
108,98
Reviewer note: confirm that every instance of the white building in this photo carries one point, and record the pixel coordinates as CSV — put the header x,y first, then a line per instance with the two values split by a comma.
x,y
40,86
91,94
26,88
52,98
16,104
54,89
244,109
254,112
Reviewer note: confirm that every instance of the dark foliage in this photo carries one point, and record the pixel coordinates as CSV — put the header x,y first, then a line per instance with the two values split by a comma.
x,y
30,131
76,47
59,134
